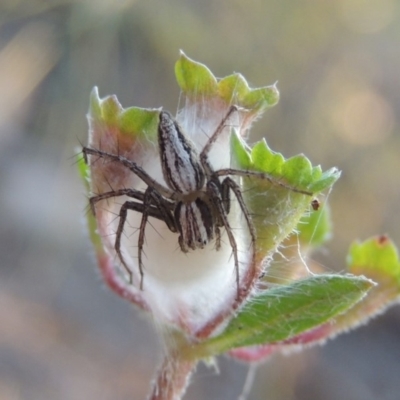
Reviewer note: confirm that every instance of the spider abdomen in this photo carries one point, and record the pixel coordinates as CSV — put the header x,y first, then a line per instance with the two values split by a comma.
x,y
180,163
195,223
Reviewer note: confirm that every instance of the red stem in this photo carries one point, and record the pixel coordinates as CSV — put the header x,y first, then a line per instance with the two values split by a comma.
x,y
173,378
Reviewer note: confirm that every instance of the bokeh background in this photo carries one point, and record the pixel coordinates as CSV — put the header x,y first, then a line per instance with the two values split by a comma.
x,y
62,334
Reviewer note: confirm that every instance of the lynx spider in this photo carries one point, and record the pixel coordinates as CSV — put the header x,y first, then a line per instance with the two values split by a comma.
x,y
194,203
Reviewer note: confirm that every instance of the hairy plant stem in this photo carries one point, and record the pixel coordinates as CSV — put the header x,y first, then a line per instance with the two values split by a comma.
x,y
173,377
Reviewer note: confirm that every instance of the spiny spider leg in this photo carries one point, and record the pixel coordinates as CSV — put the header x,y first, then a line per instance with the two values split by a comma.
x,y
136,194
159,210
231,184
151,196
128,205
136,169
218,202
217,238
143,222
225,194
162,213
261,175
204,153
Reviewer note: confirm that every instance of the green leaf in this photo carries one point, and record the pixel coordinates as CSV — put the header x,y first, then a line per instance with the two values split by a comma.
x,y
198,82
376,256
238,147
315,227
233,89
377,259
283,312
267,160
119,129
326,180
136,121
194,78
261,98
84,172
83,168
275,200
298,170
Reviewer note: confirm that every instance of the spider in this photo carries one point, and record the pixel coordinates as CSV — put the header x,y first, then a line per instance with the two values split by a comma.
x,y
195,203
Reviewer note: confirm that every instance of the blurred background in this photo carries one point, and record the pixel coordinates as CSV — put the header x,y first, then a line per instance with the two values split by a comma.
x,y
62,334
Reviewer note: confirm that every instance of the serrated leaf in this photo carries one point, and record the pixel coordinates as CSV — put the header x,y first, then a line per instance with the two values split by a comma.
x,y
277,208
283,312
261,98
139,121
265,159
239,153
94,104
327,179
194,78
297,170
316,172
233,88
110,110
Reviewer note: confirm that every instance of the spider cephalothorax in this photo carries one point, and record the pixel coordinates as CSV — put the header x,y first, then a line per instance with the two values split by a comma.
x,y
194,202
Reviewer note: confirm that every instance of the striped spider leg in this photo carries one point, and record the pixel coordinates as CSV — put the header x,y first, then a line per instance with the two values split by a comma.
x,y
195,203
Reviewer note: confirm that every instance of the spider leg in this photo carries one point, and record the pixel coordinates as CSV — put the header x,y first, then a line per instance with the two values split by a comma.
x,y
163,208
262,175
136,194
226,201
159,211
143,222
204,153
217,238
151,196
218,203
229,183
226,198
136,169
128,205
